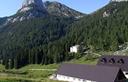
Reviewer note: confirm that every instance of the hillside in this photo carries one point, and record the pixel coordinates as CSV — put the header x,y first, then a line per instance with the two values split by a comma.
x,y
47,39
2,20
31,35
36,46
37,8
29,42
58,9
103,30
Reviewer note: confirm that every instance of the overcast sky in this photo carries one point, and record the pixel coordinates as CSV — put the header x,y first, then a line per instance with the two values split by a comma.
x,y
10,7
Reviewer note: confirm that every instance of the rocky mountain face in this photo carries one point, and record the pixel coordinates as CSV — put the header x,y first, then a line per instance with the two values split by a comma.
x,y
118,0
58,9
30,9
32,4
113,8
37,8
110,10
2,21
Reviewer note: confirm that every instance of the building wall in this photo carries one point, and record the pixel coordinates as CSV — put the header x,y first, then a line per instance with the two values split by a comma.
x,y
126,74
71,79
74,49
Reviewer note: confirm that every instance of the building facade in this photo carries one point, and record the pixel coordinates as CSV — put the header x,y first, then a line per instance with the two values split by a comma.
x,y
71,79
115,61
75,49
88,73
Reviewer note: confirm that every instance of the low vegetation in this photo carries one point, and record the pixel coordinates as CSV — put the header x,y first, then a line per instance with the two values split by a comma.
x,y
39,73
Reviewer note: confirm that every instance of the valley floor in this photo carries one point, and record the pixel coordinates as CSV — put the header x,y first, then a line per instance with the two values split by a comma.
x,y
38,73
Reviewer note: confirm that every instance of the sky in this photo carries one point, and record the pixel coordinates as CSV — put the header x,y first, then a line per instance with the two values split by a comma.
x,y
10,7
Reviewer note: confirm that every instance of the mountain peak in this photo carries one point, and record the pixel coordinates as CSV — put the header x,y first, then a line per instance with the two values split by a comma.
x,y
59,9
32,4
38,8
30,9
118,0
28,2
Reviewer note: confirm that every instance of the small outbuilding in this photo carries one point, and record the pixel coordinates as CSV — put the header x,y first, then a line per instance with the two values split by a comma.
x,y
89,73
115,61
75,49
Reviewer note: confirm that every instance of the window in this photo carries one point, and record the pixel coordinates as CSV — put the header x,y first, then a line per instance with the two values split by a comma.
x,y
112,60
126,73
88,81
93,81
103,60
79,79
121,61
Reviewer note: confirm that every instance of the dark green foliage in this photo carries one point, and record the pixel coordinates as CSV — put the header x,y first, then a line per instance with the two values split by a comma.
x,y
47,40
2,20
102,33
32,41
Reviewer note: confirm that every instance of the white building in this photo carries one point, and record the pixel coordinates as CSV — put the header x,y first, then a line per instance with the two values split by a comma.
x,y
89,73
75,49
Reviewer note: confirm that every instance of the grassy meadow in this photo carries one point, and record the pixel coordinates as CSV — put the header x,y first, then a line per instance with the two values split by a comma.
x,y
39,73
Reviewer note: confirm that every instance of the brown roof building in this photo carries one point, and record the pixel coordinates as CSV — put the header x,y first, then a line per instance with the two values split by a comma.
x,y
89,73
115,61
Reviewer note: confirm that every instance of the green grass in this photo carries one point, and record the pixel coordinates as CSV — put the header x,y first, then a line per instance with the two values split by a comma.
x,y
35,66
83,61
87,59
25,73
48,80
39,73
12,80
2,67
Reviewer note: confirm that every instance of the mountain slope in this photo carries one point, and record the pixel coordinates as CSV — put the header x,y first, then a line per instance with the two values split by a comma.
x,y
31,38
118,0
37,8
47,39
31,35
58,9
31,29
30,9
2,20
32,5
102,32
